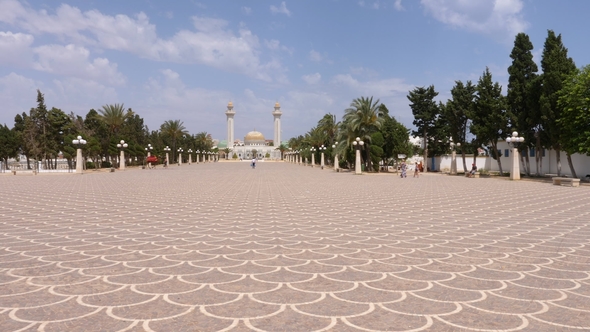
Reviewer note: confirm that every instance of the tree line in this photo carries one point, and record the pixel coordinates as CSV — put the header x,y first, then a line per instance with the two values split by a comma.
x,y
550,109
367,119
46,135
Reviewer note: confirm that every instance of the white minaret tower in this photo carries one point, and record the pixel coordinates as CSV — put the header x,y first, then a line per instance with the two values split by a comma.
x,y
230,124
277,115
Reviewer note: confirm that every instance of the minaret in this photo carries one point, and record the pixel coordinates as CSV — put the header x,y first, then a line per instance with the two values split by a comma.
x,y
230,124
277,115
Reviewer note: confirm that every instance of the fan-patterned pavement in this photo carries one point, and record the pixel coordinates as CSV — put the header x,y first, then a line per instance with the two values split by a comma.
x,y
221,246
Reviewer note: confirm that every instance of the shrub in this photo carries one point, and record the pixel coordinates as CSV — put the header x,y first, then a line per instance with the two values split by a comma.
x,y
105,164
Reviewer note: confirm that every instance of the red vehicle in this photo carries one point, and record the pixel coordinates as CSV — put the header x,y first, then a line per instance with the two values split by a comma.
x,y
152,159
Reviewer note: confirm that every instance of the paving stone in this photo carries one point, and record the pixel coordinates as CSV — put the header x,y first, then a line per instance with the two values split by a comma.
x,y
218,246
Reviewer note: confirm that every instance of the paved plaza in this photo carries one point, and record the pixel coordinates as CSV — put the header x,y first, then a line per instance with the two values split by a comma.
x,y
221,246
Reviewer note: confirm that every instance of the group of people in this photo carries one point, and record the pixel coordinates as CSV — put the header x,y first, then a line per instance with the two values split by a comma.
x,y
404,169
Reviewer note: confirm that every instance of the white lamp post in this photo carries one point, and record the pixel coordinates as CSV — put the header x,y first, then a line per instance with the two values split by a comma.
x,y
313,150
336,165
198,155
149,153
322,150
454,158
79,160
167,149
122,145
513,142
179,156
190,156
357,143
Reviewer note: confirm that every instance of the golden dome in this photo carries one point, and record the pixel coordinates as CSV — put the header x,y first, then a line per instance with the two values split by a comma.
x,y
230,104
254,137
277,104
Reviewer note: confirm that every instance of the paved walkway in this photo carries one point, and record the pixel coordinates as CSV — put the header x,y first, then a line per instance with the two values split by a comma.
x,y
221,246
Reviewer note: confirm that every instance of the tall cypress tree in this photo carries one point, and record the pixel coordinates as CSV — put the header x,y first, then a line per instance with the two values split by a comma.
x,y
520,98
457,113
425,111
557,66
490,119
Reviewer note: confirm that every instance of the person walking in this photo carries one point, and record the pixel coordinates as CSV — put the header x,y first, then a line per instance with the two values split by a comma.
x,y
254,162
417,171
404,169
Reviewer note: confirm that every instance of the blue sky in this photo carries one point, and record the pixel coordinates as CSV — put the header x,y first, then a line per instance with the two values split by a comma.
x,y
187,59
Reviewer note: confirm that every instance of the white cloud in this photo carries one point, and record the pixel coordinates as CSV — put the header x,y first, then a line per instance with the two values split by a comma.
x,y
315,56
398,5
167,97
282,9
312,78
361,3
169,14
484,16
211,43
275,45
247,10
381,88
17,95
15,48
73,61
365,72
80,95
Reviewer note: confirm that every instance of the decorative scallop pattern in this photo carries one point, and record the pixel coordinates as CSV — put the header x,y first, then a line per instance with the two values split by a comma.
x,y
219,246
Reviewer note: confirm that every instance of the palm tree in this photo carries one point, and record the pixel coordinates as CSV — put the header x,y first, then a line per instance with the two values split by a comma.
x,y
203,141
113,116
329,126
363,118
173,129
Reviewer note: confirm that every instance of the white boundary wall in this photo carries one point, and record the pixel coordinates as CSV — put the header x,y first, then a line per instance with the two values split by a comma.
x,y
549,163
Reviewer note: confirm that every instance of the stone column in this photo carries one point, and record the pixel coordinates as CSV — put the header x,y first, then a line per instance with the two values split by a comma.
x,y
167,160
122,161
230,123
454,163
179,158
190,158
277,125
515,169
322,161
336,164
79,161
312,159
357,163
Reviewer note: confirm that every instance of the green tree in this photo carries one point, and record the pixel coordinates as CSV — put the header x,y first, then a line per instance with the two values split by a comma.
x,y
114,117
490,119
376,149
173,129
396,139
457,112
557,66
37,129
94,127
425,111
329,126
363,118
8,145
520,94
574,123
20,127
